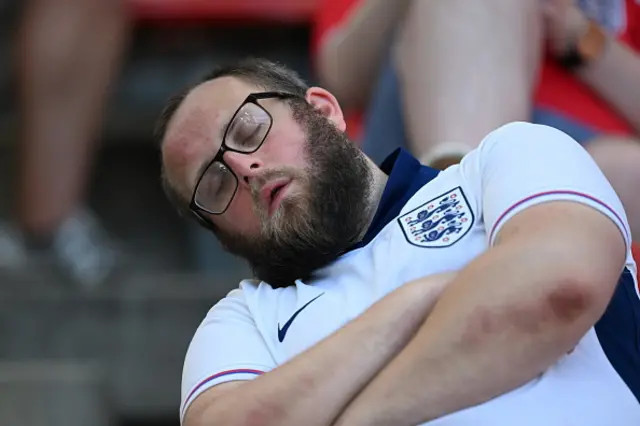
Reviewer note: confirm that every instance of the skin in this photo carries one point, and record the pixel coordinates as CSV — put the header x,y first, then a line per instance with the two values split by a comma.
x,y
194,135
613,76
532,296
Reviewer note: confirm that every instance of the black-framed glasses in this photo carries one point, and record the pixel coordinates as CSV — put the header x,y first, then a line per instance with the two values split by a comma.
x,y
246,132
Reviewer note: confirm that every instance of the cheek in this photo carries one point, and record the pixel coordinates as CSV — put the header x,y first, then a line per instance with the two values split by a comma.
x,y
240,217
286,149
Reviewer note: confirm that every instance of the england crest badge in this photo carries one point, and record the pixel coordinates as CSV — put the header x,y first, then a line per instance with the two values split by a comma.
x,y
440,222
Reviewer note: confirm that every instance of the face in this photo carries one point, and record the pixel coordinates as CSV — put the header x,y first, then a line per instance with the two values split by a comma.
x,y
303,198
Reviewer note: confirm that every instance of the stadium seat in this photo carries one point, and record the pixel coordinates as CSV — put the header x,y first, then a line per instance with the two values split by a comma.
x,y
289,11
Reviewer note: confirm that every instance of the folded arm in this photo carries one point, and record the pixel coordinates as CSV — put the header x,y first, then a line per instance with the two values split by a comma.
x,y
515,310
314,387
504,320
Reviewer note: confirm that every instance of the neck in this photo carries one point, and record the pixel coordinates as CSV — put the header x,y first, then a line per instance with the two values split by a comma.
x,y
378,183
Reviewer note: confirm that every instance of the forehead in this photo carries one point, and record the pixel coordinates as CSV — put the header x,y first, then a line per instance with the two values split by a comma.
x,y
194,132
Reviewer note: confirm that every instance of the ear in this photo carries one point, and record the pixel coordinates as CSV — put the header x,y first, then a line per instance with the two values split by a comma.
x,y
328,106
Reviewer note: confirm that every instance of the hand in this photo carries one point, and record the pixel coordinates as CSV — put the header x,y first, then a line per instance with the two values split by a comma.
x,y
564,24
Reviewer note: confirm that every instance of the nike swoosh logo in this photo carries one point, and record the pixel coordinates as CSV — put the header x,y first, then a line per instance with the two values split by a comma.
x,y
282,332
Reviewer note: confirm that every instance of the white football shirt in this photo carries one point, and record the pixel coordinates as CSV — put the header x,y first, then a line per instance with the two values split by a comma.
x,y
427,223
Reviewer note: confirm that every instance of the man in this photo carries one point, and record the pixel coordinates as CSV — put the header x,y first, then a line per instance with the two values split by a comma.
x,y
500,291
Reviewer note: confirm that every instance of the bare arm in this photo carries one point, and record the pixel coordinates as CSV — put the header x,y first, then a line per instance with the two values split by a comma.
x,y
558,238
314,387
507,317
350,58
616,77
613,71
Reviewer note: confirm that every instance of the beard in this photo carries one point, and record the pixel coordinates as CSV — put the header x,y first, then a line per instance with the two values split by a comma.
x,y
310,229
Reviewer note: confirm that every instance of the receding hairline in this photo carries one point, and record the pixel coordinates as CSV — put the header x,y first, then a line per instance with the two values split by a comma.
x,y
258,72
176,102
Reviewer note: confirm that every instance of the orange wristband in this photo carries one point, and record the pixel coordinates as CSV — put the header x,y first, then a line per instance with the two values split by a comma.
x,y
592,44
589,47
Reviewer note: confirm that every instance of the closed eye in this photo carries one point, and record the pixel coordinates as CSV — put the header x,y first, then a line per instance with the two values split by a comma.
x,y
250,139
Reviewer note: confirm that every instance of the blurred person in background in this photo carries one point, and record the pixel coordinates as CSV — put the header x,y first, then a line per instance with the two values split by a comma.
x,y
590,86
68,54
350,39
361,47
436,76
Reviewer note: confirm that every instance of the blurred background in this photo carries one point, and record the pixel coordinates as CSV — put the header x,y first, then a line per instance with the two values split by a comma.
x,y
102,285
99,339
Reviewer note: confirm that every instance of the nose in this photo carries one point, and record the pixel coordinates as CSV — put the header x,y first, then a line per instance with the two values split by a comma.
x,y
245,166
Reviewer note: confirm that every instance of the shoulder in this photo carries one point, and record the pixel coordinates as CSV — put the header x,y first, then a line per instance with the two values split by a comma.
x,y
239,303
520,133
523,143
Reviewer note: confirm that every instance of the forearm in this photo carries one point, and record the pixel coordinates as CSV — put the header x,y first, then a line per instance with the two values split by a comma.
x,y
499,324
615,76
352,55
314,387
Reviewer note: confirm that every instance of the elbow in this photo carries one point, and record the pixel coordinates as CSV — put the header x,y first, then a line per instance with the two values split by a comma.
x,y
578,294
565,308
583,272
573,301
579,280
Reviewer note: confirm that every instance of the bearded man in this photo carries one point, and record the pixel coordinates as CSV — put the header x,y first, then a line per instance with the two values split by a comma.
x,y
499,291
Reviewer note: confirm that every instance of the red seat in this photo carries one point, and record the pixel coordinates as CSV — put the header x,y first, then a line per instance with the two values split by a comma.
x,y
290,11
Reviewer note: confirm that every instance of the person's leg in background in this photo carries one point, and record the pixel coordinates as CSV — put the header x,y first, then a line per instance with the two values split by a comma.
x,y
465,68
69,52
456,83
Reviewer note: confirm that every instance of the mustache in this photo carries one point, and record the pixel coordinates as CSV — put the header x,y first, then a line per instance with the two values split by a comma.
x,y
257,182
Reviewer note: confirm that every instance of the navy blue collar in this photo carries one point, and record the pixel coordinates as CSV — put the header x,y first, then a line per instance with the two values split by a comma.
x,y
406,177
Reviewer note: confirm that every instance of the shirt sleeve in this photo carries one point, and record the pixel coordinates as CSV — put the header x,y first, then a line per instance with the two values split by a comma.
x,y
521,164
227,346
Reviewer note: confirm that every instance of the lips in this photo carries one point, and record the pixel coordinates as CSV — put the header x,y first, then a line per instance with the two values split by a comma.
x,y
271,193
